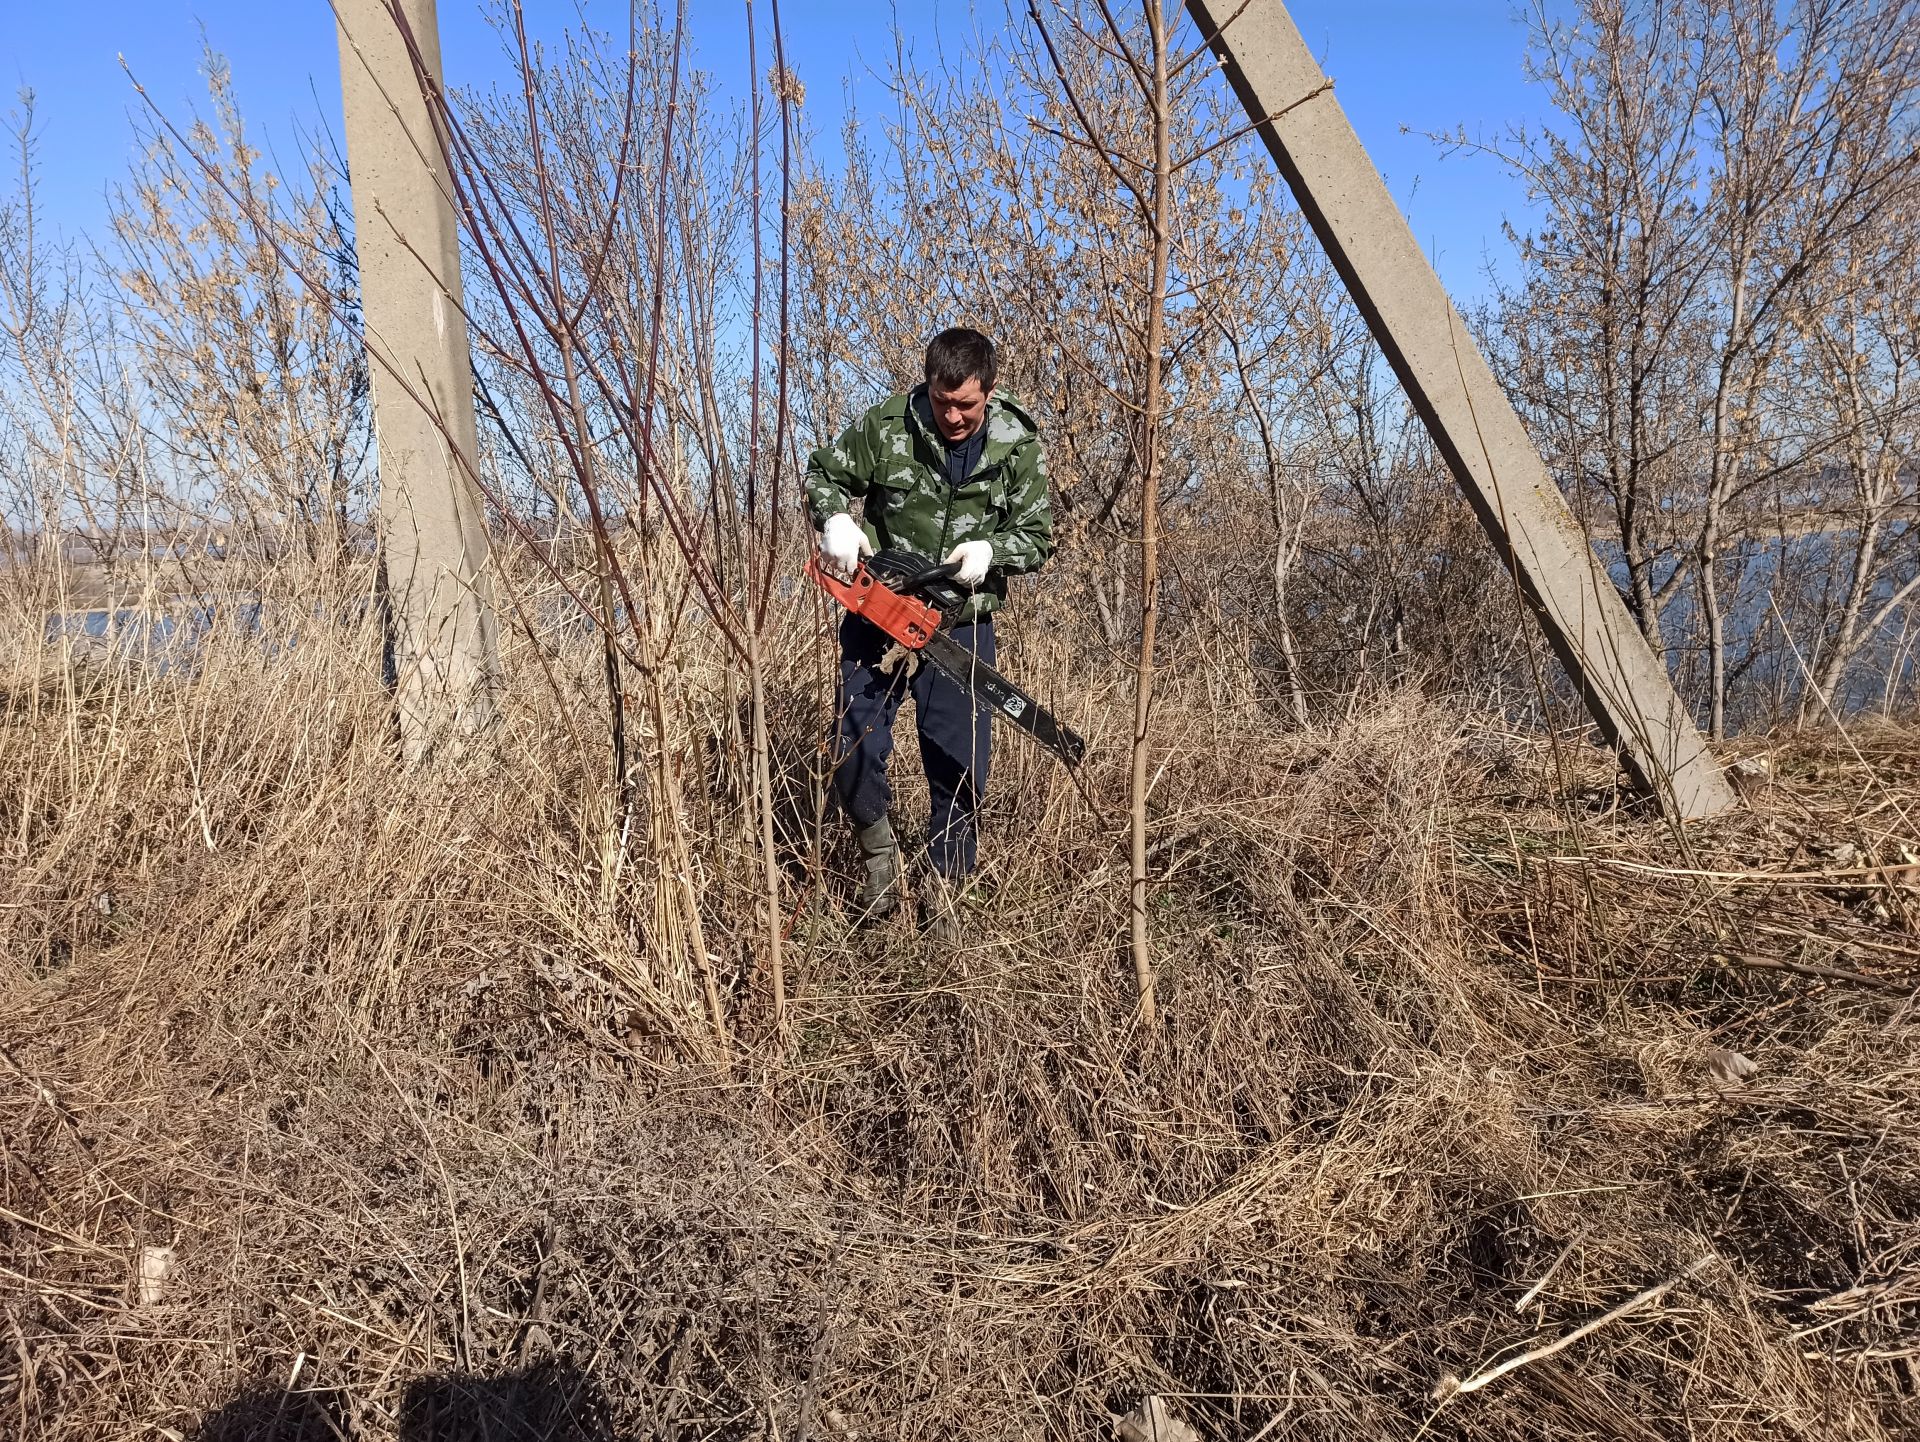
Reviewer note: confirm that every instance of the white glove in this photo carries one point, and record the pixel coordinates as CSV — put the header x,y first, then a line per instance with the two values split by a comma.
x,y
974,558
842,544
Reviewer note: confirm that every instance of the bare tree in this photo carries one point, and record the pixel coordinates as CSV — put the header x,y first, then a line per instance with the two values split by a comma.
x,y
259,378
1600,333
1861,349
1714,166
1811,117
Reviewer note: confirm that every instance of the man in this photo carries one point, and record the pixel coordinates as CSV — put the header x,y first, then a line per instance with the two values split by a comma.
x,y
954,470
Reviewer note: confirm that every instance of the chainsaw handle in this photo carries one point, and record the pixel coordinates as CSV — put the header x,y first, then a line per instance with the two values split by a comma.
x,y
945,571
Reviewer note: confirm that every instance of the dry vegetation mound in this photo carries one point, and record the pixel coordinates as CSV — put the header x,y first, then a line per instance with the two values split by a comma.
x,y
340,1102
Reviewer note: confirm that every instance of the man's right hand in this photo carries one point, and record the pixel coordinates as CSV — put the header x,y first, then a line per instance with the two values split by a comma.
x,y
842,544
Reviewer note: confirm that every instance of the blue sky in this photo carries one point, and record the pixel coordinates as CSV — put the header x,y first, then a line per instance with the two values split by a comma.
x,y
1427,64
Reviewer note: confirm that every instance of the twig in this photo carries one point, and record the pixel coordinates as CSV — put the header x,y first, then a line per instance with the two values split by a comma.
x,y
1451,1386
1813,969
1547,1276
1859,874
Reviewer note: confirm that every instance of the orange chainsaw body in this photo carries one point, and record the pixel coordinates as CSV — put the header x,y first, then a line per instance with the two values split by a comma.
x,y
907,619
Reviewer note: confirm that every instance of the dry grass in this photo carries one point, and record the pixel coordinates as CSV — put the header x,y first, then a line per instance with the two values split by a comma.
x,y
438,1146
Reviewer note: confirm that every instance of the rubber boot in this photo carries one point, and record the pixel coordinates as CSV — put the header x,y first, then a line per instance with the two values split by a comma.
x,y
939,910
880,859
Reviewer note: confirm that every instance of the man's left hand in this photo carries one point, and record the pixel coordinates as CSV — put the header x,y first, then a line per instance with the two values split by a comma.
x,y
973,558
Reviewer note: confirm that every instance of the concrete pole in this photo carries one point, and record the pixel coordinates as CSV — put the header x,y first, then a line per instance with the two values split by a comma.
x,y
433,532
1478,432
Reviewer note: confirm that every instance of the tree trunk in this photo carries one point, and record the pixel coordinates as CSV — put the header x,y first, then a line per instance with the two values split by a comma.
x,y
1869,488
1296,692
1150,509
769,857
1724,467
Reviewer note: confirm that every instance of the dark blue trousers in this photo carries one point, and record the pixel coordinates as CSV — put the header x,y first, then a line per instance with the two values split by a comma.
x,y
955,739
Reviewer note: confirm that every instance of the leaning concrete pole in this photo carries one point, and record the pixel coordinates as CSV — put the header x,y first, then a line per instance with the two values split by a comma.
x,y
433,530
1477,430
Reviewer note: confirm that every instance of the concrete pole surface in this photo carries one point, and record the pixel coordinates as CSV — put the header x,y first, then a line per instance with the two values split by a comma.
x,y
433,531
1626,688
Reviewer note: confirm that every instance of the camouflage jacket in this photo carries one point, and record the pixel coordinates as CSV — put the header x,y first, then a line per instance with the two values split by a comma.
x,y
895,460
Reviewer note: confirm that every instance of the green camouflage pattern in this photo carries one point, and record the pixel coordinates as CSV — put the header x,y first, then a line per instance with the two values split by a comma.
x,y
894,461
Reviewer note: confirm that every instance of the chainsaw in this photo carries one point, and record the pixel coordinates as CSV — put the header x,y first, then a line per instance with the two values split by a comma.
x,y
915,601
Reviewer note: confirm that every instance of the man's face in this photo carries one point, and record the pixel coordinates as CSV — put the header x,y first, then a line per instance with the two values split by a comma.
x,y
960,411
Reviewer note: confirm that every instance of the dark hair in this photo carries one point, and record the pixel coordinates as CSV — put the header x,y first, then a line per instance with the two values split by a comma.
x,y
956,356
